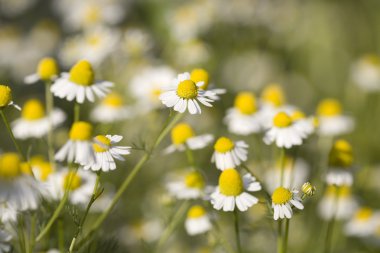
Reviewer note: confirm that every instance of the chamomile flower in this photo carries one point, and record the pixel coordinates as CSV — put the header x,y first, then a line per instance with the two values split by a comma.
x,y
306,125
331,120
47,70
34,123
340,164
8,213
338,203
201,75
283,200
366,73
80,184
197,221
284,132
106,151
229,154
6,97
17,188
111,109
363,223
79,84
5,241
190,186
232,191
186,94
41,168
78,148
244,118
183,136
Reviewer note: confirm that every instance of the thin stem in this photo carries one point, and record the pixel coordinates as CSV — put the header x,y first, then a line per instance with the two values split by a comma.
x,y
282,160
237,231
49,100
98,222
279,237
61,236
95,195
189,155
32,232
286,235
330,226
178,217
76,112
220,236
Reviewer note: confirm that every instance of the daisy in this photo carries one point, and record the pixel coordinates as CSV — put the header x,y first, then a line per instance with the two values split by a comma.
x,y
111,109
229,154
78,148
8,213
17,188
243,118
306,125
80,185
365,73
5,241
363,223
331,120
282,201
340,164
283,132
186,94
197,222
79,84
6,97
338,203
47,70
41,168
183,136
231,191
106,151
201,75
191,186
34,123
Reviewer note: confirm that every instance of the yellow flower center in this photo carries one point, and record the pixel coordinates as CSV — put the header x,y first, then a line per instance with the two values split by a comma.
x,y
45,170
194,180
363,214
344,191
82,73
372,59
102,143
113,100
81,131
281,196
26,169
282,119
329,108
72,181
94,40
196,212
92,14
334,191
180,133
230,183
273,94
47,68
187,90
200,75
341,154
297,115
5,95
155,94
223,145
10,166
245,102
33,110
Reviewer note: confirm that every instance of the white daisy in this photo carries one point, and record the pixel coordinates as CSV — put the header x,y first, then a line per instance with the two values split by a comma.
x,y
229,154
78,148
34,123
79,84
41,168
5,241
6,97
106,151
282,201
8,213
366,73
47,70
283,132
330,118
191,186
244,118
197,221
363,223
183,136
17,188
306,125
231,191
80,185
111,109
186,94
338,203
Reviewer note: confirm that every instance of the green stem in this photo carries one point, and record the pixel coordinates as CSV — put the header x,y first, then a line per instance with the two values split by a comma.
x,y
330,226
282,160
237,231
32,232
61,236
220,236
95,195
49,100
178,217
98,222
76,112
279,237
189,155
286,235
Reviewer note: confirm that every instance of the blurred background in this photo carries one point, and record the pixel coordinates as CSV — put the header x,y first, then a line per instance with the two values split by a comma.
x,y
313,49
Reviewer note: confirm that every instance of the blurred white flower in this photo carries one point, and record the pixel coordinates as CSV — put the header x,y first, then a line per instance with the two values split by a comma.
x,y
365,73
111,109
197,221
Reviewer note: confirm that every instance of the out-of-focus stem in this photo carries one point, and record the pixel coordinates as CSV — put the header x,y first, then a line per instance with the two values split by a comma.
x,y
237,231
49,112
